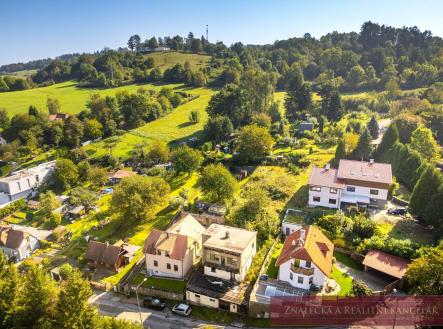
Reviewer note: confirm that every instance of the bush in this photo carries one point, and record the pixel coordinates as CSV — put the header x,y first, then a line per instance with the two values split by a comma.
x,y
176,203
403,248
54,220
65,270
359,288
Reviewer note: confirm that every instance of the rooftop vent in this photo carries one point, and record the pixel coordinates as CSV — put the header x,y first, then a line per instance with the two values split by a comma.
x,y
227,235
371,161
328,166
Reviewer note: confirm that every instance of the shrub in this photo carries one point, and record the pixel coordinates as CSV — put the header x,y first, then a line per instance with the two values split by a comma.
x,y
54,220
403,248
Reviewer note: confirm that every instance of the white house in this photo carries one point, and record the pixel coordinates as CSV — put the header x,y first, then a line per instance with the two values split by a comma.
x,y
23,183
16,244
173,252
360,183
305,258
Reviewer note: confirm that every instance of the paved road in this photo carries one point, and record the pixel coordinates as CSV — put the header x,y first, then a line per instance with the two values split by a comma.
x,y
116,305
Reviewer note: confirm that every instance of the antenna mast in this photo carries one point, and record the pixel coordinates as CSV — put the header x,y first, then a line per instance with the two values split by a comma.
x,y
207,38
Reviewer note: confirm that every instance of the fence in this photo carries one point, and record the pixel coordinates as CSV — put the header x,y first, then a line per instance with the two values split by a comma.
x,y
155,292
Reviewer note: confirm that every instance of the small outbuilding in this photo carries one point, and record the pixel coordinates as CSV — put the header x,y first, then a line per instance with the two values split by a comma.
x,y
388,264
119,175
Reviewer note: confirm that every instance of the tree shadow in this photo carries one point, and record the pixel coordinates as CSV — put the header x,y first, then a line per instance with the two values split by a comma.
x,y
185,124
298,200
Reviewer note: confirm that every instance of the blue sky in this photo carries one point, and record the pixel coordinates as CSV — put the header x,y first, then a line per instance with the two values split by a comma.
x,y
33,29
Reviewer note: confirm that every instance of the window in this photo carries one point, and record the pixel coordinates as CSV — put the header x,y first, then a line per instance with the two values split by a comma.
x,y
159,252
155,263
308,264
197,296
332,201
333,190
176,268
168,266
19,187
350,188
214,257
300,279
29,183
373,192
213,269
316,199
212,300
311,280
316,188
290,276
231,261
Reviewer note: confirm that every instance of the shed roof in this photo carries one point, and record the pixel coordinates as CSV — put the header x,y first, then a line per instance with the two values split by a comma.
x,y
386,263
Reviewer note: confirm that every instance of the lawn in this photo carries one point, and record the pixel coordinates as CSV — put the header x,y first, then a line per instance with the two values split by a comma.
x,y
272,270
348,261
170,128
164,60
405,229
72,98
343,280
212,315
161,283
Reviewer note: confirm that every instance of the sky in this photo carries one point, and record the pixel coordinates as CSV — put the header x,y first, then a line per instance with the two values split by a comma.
x,y
35,29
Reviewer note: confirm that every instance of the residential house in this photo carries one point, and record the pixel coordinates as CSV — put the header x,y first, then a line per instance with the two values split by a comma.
x,y
305,258
108,256
172,253
119,175
58,117
227,256
24,183
16,244
228,251
358,183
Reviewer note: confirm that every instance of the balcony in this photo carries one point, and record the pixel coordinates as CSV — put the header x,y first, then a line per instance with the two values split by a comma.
x,y
302,270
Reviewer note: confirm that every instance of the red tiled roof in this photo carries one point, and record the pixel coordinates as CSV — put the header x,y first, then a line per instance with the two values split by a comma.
x,y
175,244
389,264
324,177
120,174
365,171
315,248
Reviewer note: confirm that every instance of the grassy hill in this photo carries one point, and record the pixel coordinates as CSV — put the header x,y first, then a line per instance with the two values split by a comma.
x,y
73,99
165,60
170,128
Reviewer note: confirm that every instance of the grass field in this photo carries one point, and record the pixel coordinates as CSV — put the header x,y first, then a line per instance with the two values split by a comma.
x,y
170,128
72,98
164,60
22,73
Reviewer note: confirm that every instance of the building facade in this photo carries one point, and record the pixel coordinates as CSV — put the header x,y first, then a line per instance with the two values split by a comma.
x,y
228,251
359,183
306,258
172,253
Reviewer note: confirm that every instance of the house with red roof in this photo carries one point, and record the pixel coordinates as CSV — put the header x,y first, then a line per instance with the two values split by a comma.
x,y
358,183
306,258
172,253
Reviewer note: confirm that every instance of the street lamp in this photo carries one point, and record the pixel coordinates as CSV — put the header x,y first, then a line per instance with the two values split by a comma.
x,y
138,302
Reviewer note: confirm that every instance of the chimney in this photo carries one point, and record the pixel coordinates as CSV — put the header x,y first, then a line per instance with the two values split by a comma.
x,y
293,242
371,161
227,235
328,166
302,234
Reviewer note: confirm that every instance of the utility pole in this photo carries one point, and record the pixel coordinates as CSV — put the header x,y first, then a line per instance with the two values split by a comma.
x,y
207,33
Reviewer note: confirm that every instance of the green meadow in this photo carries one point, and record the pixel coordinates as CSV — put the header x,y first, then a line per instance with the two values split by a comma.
x,y
72,98
171,128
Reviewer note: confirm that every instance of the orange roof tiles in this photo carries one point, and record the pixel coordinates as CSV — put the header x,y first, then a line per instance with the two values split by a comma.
x,y
315,248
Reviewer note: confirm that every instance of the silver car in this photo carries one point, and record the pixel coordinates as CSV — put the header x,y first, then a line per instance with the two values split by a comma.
x,y
182,309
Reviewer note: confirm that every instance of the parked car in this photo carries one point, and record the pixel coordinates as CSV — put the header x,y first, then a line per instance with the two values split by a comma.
x,y
153,302
182,309
397,211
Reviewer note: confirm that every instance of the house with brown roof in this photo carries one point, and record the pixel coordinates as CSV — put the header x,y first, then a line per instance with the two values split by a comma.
x,y
305,258
16,244
109,256
58,117
172,253
117,176
360,183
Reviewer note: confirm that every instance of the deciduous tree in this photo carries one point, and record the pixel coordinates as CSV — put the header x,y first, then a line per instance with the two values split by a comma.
x,y
217,183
